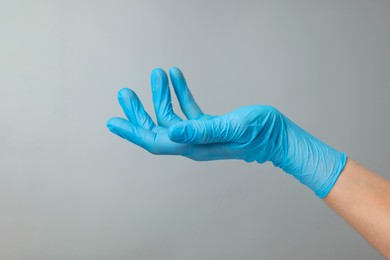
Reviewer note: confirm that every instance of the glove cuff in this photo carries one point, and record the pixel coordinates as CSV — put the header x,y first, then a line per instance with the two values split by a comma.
x,y
327,186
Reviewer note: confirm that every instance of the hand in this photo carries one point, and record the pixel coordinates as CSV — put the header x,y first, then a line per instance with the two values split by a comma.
x,y
253,133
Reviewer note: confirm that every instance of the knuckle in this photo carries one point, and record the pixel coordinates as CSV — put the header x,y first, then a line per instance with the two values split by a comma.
x,y
272,110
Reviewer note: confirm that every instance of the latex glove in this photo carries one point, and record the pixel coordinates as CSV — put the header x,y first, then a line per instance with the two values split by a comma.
x,y
252,133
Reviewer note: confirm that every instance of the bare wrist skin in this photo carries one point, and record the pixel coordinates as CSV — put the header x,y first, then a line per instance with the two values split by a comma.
x,y
362,198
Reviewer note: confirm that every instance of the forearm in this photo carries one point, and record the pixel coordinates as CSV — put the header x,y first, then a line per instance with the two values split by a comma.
x,y
362,198
258,133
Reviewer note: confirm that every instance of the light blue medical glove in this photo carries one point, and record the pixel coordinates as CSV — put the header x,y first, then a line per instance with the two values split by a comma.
x,y
252,133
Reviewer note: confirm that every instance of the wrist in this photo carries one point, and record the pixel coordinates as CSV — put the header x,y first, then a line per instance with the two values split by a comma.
x,y
335,166
311,161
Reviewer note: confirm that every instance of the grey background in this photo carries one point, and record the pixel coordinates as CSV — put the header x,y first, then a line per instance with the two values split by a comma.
x,y
69,189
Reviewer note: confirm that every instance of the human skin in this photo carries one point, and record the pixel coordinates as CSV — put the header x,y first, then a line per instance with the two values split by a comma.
x,y
357,194
362,198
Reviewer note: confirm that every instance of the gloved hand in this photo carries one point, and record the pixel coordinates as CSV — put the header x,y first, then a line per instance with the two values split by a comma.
x,y
252,133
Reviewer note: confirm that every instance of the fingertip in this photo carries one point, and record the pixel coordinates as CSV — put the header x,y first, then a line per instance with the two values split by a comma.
x,y
112,122
177,133
126,92
158,77
116,125
158,72
175,70
174,134
109,122
111,125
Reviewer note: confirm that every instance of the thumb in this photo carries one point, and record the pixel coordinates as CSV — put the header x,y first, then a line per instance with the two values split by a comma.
x,y
214,130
